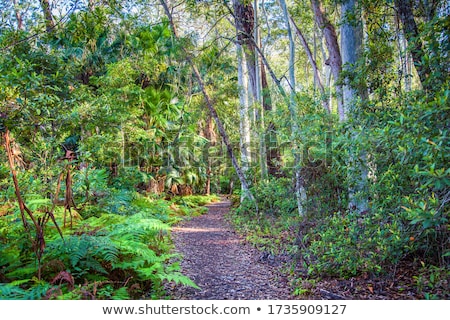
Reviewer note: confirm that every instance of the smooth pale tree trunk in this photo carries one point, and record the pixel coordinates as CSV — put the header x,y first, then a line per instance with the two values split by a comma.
x,y
351,47
245,23
212,111
405,61
247,33
334,54
300,191
271,72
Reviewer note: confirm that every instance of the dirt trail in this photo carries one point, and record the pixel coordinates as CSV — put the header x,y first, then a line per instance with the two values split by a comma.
x,y
222,264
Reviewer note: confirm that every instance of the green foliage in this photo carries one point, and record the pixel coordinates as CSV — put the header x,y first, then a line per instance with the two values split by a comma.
x,y
432,282
195,200
408,217
112,256
114,88
273,228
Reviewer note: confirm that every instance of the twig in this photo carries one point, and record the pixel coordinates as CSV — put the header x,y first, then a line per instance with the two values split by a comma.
x,y
331,295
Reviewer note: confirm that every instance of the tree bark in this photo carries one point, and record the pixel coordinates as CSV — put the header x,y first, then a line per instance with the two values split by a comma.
x,y
273,156
208,133
245,26
212,111
49,22
248,36
405,12
244,119
300,191
351,45
18,15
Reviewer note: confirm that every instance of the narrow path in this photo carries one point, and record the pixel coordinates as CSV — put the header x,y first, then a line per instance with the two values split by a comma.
x,y
221,263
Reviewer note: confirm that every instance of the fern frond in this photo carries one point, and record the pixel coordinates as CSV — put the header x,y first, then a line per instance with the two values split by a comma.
x,y
121,294
151,272
22,272
12,291
179,278
9,291
85,253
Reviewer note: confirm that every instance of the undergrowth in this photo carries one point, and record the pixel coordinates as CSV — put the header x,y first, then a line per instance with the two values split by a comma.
x,y
341,247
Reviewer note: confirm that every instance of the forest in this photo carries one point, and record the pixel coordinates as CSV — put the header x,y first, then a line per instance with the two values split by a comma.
x,y
325,123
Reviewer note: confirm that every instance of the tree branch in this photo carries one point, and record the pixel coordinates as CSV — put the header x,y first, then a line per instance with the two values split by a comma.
x,y
212,109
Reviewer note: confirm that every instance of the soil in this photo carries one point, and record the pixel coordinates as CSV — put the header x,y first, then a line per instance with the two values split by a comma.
x,y
226,267
222,264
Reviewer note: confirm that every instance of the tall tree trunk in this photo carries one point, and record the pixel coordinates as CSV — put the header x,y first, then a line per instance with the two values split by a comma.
x,y
273,156
405,12
245,26
405,61
312,62
259,106
18,15
244,119
246,18
334,60
351,45
46,8
300,191
212,111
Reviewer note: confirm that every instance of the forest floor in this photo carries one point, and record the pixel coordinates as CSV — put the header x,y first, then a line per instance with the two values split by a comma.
x,y
222,264
226,267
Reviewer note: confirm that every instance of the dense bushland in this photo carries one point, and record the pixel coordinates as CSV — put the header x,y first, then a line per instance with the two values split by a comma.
x,y
119,250
107,140
407,224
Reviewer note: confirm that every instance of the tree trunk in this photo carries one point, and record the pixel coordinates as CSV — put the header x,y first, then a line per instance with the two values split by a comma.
x,y
18,15
212,110
273,156
244,119
405,11
300,191
273,153
334,60
209,135
49,22
405,61
248,36
351,45
259,98
312,62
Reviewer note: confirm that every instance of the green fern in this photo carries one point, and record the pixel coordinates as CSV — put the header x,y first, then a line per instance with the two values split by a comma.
x,y
100,249
10,291
179,278
14,291
25,271
84,254
121,294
